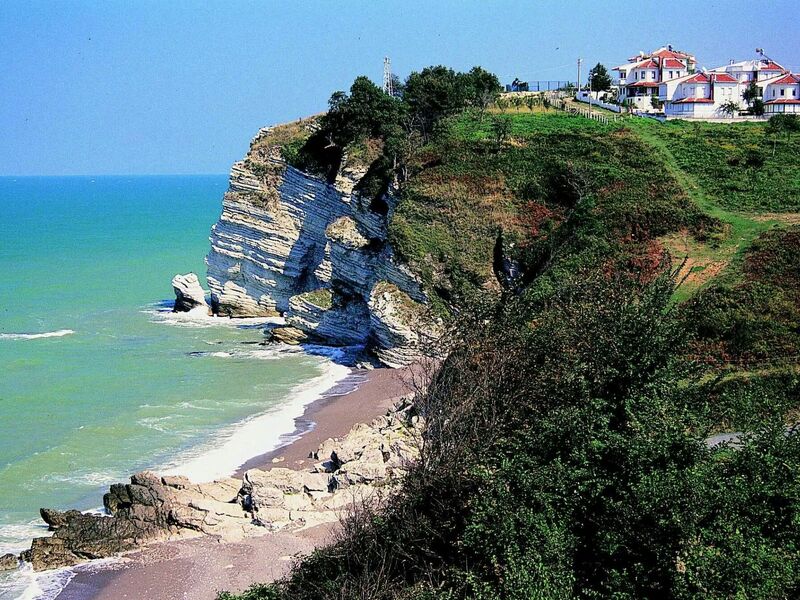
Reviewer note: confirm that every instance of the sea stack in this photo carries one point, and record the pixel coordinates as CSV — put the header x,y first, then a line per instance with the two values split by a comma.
x,y
188,293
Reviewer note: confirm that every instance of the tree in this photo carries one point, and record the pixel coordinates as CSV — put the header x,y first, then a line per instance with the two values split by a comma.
x,y
757,107
530,101
599,79
436,92
502,104
365,112
729,107
483,88
750,93
501,128
782,123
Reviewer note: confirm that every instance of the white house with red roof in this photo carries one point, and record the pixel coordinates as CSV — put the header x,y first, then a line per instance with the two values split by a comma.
x,y
640,78
700,95
752,70
781,94
671,78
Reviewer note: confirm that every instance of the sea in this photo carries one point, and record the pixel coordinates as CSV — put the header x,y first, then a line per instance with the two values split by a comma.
x,y
98,378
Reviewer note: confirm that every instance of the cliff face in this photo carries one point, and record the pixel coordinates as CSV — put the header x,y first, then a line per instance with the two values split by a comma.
x,y
292,244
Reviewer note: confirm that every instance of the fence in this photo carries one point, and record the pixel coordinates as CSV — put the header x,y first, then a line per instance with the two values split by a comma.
x,y
542,86
584,97
557,101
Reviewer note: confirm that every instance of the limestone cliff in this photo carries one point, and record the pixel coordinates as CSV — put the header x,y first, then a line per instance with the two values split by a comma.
x,y
292,243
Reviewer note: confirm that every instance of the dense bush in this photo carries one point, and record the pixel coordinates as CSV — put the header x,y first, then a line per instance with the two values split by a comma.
x,y
401,122
562,461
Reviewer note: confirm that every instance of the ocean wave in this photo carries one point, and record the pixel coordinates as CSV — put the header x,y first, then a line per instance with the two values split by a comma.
x,y
199,317
238,443
35,336
269,353
26,584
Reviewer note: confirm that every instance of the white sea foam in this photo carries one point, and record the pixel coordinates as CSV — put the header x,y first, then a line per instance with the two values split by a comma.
x,y
256,435
199,317
35,336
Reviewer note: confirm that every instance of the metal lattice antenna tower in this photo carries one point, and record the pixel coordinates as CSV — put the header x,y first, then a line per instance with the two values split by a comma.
x,y
387,76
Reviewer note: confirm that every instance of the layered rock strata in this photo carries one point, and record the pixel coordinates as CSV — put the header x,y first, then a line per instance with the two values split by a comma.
x,y
292,244
361,467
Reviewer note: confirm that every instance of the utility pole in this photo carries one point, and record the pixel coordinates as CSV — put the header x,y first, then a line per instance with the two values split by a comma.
x,y
388,86
578,84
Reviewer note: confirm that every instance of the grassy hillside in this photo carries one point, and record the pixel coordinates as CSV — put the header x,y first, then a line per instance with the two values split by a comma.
x,y
568,193
739,166
566,450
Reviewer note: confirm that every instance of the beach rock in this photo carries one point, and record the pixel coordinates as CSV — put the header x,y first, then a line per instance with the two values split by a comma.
x,y
289,335
310,249
57,518
361,467
188,293
8,562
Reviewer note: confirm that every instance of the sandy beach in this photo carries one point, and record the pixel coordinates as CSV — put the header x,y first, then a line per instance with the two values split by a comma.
x,y
197,569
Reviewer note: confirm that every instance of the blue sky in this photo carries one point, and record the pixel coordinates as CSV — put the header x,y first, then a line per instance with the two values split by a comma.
x,y
180,87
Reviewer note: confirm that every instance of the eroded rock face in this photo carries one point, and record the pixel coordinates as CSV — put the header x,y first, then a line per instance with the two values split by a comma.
x,y
361,467
188,293
284,234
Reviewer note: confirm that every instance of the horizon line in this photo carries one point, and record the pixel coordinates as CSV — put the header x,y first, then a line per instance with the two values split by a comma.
x,y
115,175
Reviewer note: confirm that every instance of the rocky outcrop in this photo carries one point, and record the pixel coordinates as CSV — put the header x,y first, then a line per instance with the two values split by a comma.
x,y
188,293
285,237
363,466
8,562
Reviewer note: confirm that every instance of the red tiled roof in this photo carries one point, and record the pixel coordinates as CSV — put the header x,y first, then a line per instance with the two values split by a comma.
x,y
787,79
772,66
698,78
671,63
724,78
665,53
644,84
693,101
783,101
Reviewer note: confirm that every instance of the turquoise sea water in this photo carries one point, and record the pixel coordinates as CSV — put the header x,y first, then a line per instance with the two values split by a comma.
x,y
121,384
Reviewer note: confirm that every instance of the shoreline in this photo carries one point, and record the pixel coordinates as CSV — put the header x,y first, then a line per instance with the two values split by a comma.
x,y
199,568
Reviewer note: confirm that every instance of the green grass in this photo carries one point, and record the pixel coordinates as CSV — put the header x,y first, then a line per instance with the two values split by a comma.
x,y
676,148
468,187
321,298
733,163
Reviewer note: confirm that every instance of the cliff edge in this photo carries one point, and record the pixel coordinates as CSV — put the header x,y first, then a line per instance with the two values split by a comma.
x,y
313,250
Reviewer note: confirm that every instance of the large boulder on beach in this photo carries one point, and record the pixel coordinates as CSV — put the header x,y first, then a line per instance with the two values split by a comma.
x,y
8,562
189,295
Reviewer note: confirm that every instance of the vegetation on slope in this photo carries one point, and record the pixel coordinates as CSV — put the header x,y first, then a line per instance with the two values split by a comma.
x,y
562,460
566,451
742,166
565,193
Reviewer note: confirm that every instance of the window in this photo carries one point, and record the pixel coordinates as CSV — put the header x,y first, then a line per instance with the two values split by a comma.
x,y
636,75
653,74
783,91
670,74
